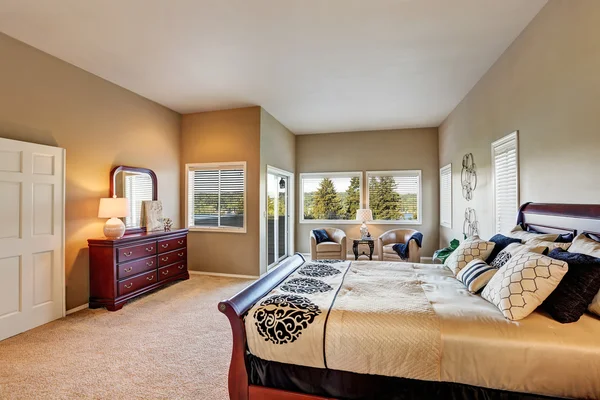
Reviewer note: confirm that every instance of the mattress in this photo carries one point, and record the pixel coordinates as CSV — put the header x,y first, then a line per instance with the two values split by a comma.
x,y
376,322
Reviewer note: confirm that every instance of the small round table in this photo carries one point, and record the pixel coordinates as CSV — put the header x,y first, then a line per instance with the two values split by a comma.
x,y
356,242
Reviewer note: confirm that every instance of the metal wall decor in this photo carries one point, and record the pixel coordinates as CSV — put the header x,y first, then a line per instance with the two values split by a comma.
x,y
471,225
468,176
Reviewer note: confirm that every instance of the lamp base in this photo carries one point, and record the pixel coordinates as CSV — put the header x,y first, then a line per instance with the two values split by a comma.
x,y
364,232
114,228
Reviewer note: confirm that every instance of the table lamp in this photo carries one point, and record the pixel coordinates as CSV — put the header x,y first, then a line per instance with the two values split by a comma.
x,y
364,215
114,208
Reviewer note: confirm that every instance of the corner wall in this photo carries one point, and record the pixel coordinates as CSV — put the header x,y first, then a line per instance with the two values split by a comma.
x,y
101,125
547,86
225,136
402,149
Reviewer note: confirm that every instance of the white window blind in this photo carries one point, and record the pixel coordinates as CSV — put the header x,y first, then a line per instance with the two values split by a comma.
x,y
446,196
216,196
395,196
330,196
137,188
505,160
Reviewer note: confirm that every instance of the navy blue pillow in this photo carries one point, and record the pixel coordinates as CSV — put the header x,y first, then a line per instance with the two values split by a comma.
x,y
577,289
321,235
501,243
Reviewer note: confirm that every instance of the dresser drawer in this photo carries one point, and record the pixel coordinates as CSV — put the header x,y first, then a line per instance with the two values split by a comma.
x,y
137,282
165,246
172,257
136,267
171,270
129,253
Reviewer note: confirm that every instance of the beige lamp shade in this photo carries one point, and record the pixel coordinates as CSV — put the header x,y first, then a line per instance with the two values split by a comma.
x,y
113,207
364,214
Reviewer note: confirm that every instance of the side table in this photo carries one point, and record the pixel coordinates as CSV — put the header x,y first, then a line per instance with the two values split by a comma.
x,y
356,242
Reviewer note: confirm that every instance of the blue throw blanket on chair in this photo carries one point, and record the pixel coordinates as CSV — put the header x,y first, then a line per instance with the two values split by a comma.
x,y
402,248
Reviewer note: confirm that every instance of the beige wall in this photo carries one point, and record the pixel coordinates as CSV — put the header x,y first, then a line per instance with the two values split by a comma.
x,y
225,136
406,149
45,100
277,149
547,86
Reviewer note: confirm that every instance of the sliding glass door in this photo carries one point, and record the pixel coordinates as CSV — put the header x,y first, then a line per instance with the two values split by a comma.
x,y
277,218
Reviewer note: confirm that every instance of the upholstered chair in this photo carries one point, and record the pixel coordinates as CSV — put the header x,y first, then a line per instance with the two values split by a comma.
x,y
335,250
386,242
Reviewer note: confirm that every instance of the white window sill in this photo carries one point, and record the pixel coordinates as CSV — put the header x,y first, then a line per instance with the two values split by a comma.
x,y
331,221
217,230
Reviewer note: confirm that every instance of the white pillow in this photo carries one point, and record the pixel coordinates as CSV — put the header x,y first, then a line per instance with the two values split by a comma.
x,y
524,283
470,249
476,274
550,245
584,245
512,250
525,236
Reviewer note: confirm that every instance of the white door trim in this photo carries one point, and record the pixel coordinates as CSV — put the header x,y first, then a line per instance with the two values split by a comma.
x,y
291,211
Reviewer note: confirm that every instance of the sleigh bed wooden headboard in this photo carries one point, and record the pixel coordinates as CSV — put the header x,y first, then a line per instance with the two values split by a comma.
x,y
560,218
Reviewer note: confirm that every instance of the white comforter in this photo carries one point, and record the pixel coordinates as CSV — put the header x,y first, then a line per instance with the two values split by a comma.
x,y
417,321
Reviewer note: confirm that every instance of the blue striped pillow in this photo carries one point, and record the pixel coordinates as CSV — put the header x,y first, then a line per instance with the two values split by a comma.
x,y
475,275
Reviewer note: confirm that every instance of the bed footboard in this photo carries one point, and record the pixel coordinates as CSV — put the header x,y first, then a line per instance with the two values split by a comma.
x,y
235,308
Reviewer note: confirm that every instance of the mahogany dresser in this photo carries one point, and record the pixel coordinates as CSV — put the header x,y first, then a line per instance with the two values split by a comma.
x,y
121,269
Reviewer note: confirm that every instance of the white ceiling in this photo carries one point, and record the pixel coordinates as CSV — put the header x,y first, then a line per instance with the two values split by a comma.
x,y
315,65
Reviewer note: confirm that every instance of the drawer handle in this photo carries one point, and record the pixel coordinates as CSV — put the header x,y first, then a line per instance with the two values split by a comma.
x,y
181,267
180,254
149,249
164,246
128,254
165,272
180,241
149,263
165,259
128,286
150,278
128,269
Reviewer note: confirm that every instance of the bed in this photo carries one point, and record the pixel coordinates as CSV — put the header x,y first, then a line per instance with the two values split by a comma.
x,y
388,330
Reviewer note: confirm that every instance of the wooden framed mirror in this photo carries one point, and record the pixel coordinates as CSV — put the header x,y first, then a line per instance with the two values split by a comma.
x,y
138,185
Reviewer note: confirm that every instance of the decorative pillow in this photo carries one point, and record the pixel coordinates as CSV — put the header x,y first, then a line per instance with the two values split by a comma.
x,y
519,233
512,250
475,275
321,235
578,288
562,238
550,245
524,283
583,244
470,249
501,243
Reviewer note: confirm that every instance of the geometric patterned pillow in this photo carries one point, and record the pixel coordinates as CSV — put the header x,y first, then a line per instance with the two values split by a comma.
x,y
523,283
470,249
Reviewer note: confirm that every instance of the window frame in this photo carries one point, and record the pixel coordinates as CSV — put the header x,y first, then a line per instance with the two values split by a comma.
x,y
211,167
446,169
406,172
514,136
349,174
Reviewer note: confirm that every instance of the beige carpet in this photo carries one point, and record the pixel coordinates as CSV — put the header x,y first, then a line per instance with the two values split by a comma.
x,y
170,344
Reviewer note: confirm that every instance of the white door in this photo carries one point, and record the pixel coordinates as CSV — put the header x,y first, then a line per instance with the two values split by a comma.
x,y
32,286
278,215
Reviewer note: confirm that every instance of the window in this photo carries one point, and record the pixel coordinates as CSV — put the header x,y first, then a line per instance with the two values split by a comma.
x,y
446,196
395,196
505,173
330,196
216,196
137,188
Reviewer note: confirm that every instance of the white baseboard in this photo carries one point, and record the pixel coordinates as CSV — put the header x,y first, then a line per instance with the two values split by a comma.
x,y
224,275
81,307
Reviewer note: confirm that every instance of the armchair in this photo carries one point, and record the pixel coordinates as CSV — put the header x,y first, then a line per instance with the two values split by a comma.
x,y
386,242
335,249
